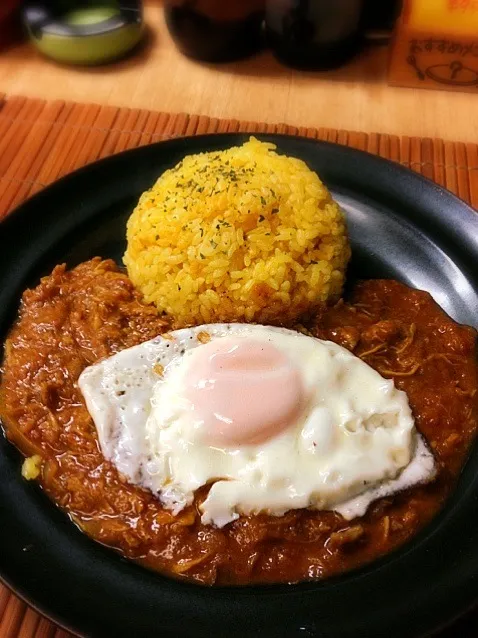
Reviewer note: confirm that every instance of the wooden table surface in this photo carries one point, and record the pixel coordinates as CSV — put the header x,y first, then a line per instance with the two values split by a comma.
x,y
356,97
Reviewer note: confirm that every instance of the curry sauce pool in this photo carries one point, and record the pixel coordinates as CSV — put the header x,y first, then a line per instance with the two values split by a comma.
x,y
75,318
239,235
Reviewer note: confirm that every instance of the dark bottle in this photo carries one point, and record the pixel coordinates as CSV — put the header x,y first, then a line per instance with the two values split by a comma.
x,y
216,30
381,14
314,34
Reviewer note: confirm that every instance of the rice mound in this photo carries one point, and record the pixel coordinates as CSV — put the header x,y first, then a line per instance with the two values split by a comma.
x,y
239,235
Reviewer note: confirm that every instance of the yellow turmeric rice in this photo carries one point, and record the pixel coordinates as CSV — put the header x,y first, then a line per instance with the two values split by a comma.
x,y
239,235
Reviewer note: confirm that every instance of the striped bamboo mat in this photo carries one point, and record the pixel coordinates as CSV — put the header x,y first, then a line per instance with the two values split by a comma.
x,y
41,141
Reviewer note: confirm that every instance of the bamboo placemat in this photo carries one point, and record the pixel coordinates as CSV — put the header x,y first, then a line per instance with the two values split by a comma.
x,y
41,141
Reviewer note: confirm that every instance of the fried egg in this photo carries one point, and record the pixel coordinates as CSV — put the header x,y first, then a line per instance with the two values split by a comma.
x,y
271,419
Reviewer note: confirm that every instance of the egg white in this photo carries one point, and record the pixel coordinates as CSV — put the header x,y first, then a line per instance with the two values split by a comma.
x,y
355,443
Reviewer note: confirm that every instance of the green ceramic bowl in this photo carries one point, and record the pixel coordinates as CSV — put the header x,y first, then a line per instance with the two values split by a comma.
x,y
84,33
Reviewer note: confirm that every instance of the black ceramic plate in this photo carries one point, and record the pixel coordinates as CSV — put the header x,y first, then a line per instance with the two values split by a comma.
x,y
402,226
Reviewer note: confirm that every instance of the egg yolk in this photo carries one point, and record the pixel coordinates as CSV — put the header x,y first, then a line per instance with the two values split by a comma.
x,y
243,391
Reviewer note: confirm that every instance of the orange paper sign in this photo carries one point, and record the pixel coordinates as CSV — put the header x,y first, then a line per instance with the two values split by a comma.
x,y
436,45
459,17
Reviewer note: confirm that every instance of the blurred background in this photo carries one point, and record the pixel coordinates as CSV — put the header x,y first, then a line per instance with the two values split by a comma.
x,y
303,33
400,67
